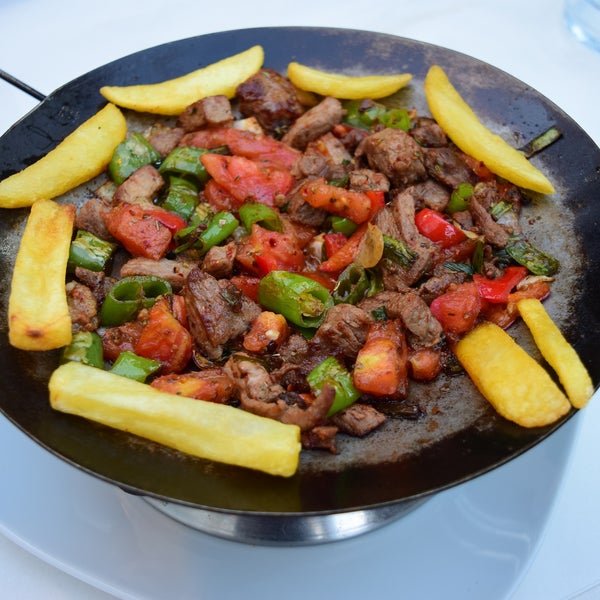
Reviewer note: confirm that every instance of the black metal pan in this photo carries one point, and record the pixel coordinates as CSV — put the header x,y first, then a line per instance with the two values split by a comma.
x,y
406,461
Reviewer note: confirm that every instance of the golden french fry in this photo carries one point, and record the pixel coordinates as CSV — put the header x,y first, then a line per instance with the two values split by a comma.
x,y
38,314
345,86
172,96
558,353
81,156
517,386
465,129
205,429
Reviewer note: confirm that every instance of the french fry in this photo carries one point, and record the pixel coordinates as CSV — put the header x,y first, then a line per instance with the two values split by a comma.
x,y
172,96
517,386
345,86
558,353
465,129
205,429
81,156
38,314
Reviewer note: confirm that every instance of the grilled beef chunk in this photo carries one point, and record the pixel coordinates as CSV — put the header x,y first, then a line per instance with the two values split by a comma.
x,y
120,339
358,419
97,281
314,123
90,217
422,327
439,283
219,260
493,232
165,139
83,307
431,194
173,271
325,157
141,187
300,211
272,99
364,180
213,111
395,154
321,437
428,133
343,332
448,166
217,310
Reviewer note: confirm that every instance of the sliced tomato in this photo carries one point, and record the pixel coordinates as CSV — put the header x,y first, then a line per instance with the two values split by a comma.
x,y
245,143
264,251
339,201
457,309
248,180
211,385
165,339
334,242
377,198
247,284
139,230
434,226
219,198
170,220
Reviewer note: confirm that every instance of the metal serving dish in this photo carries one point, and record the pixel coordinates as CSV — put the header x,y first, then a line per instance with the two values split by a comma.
x,y
374,480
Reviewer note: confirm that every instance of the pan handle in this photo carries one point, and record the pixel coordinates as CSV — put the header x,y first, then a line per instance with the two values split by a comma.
x,y
21,85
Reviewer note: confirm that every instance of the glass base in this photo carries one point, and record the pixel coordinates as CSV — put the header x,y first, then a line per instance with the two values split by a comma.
x,y
583,20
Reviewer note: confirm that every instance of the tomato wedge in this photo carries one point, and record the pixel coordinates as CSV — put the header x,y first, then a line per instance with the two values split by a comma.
x,y
457,309
434,226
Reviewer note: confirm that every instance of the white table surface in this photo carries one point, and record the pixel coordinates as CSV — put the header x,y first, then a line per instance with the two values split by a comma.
x,y
49,42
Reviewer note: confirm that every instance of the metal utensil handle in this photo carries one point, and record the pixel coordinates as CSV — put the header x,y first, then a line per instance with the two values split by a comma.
x,y
21,85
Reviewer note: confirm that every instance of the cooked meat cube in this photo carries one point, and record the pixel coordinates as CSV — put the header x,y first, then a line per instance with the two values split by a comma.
x,y
448,166
121,339
386,221
165,139
300,211
219,260
213,111
493,232
218,312
439,283
395,154
173,271
272,99
364,180
343,331
325,157
90,217
321,437
431,194
83,307
314,123
428,133
306,416
358,419
141,187
97,281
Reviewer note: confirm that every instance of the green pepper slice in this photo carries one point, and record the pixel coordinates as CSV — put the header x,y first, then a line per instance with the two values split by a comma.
x,y
255,212
132,366
85,347
301,300
131,154
89,252
343,225
182,197
352,285
184,161
332,372
129,295
459,199
527,255
398,252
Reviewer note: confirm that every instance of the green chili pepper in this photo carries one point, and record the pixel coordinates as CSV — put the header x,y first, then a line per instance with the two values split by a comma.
x,y
135,367
85,347
89,252
541,141
129,295
343,225
477,257
365,115
184,161
265,216
182,197
332,372
395,118
526,254
301,300
352,285
131,154
459,199
398,252
205,235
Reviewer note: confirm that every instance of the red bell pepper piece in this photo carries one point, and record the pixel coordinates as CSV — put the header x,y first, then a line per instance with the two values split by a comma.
x,y
377,198
247,180
264,251
434,226
333,242
165,339
346,254
458,309
139,230
497,290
